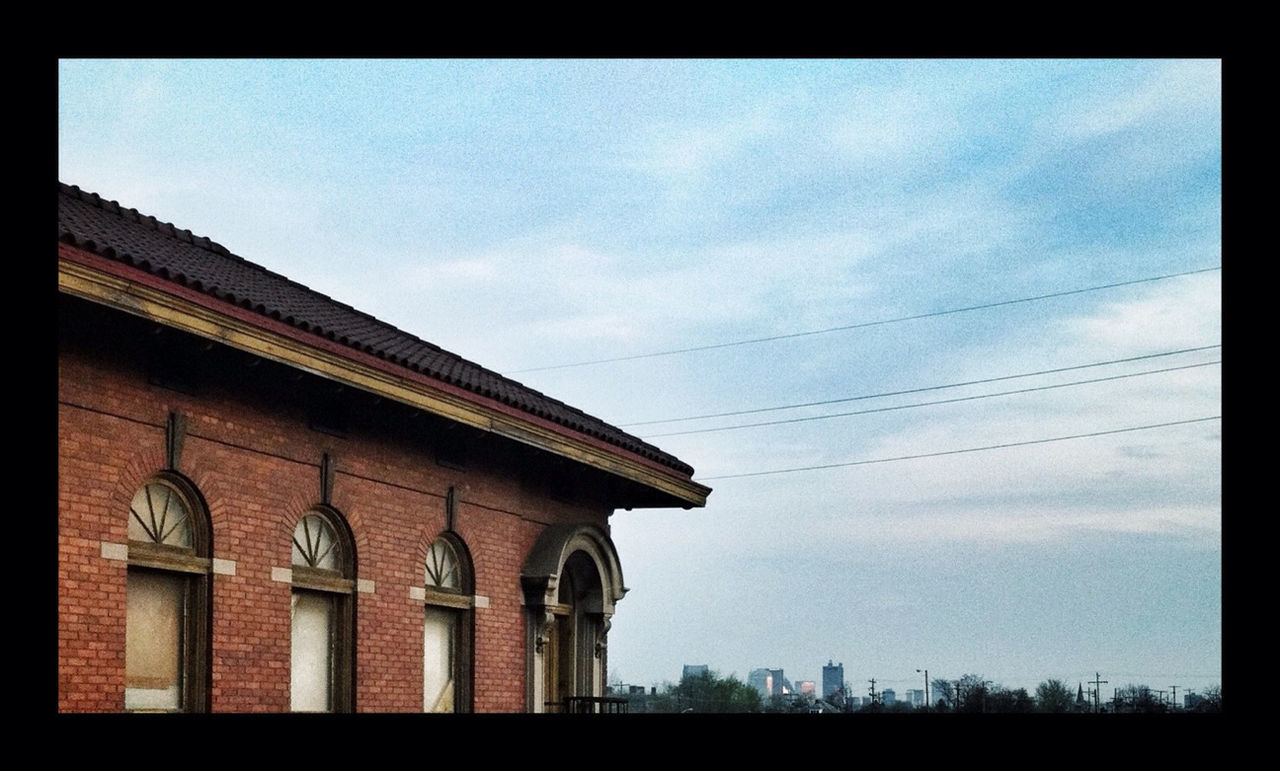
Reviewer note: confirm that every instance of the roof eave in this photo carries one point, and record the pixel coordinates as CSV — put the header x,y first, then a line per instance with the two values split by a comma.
x,y
89,276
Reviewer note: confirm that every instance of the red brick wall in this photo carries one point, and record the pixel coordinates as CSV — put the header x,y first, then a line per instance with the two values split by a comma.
x,y
258,467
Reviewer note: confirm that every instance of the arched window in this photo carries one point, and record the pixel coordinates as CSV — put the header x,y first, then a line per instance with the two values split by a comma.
x,y
167,599
322,612
447,627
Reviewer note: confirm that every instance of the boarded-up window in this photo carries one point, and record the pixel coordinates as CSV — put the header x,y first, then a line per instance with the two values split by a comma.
x,y
439,662
311,681
153,641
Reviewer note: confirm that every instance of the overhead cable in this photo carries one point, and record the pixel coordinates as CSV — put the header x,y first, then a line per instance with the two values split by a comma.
x,y
958,452
928,404
864,324
918,390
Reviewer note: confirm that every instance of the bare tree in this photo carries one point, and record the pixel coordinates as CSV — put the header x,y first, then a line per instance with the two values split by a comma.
x,y
1054,696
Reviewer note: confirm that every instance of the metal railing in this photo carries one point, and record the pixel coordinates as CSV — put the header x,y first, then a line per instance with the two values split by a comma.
x,y
591,705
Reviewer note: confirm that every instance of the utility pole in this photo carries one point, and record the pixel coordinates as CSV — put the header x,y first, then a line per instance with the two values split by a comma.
x,y
873,690
926,687
1175,696
1097,683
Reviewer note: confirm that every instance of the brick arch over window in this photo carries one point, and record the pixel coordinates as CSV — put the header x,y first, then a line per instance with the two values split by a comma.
x,y
299,505
571,581
209,486
136,472
214,488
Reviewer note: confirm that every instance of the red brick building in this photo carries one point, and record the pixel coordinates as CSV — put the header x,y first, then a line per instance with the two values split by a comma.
x,y
270,501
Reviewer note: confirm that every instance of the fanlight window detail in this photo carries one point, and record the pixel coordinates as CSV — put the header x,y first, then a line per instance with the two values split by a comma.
x,y
158,514
442,566
315,544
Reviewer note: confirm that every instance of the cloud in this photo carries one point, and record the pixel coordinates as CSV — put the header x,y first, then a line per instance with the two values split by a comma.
x,y
1183,312
1159,480
1174,92
907,126
684,158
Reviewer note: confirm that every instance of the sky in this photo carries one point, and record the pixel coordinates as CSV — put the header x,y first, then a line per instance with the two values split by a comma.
x,y
940,252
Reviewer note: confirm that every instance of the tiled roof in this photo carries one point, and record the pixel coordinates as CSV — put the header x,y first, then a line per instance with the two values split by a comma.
x,y
105,228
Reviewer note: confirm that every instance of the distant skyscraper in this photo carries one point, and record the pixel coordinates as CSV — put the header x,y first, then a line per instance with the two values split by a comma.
x,y
694,670
888,696
781,686
762,681
832,679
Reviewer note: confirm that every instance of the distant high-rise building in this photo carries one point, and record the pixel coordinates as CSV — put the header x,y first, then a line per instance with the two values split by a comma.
x,y
769,682
832,679
888,696
694,670
762,681
781,686
808,687
915,697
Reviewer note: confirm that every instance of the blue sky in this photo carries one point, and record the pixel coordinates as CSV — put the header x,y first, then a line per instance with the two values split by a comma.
x,y
531,214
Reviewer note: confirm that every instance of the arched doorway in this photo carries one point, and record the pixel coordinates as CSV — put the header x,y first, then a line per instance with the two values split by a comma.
x,y
571,581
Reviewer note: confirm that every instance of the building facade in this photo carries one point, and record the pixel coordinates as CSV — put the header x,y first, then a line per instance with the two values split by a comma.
x,y
762,681
269,501
833,680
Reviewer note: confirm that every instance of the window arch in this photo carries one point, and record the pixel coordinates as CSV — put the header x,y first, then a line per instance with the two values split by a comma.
x,y
447,626
167,598
322,614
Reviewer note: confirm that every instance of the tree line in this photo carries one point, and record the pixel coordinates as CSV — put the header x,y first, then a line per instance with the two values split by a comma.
x,y
709,692
976,694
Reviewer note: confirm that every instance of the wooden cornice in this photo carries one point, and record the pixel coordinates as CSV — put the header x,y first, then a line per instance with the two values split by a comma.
x,y
91,277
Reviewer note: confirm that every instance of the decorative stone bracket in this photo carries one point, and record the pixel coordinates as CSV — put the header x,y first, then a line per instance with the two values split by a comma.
x,y
602,640
544,631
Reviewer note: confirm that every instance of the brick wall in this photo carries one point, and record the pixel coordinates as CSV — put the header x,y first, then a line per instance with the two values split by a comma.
x,y
249,451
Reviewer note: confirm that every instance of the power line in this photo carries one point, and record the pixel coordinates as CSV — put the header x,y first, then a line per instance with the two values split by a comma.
x,y
917,390
928,404
958,452
864,324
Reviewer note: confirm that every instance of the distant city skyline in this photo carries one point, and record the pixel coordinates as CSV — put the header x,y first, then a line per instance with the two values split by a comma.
x,y
861,687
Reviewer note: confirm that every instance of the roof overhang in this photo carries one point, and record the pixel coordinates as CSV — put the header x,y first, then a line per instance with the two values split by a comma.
x,y
97,279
